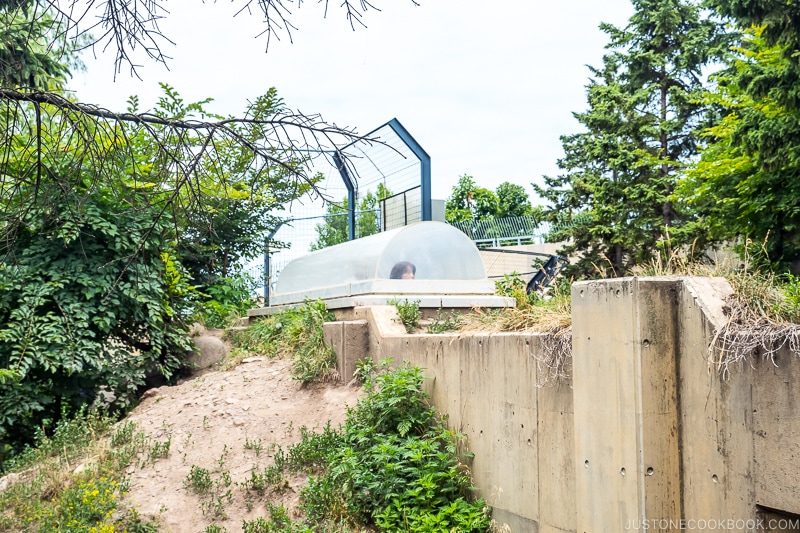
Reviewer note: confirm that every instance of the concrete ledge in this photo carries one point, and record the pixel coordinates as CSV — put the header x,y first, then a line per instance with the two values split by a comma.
x,y
426,301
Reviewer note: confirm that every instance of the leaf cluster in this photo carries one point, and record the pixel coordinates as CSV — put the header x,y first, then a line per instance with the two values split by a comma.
x,y
393,465
469,202
408,313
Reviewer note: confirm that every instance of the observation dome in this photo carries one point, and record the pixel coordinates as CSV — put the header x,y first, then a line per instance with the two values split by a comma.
x,y
444,262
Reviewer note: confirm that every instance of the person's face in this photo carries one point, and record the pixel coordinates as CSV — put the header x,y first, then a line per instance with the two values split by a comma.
x,y
408,274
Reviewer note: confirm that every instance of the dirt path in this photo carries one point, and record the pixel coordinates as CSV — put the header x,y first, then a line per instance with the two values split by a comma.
x,y
226,423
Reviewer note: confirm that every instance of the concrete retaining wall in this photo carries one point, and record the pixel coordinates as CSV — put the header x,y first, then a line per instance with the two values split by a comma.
x,y
645,434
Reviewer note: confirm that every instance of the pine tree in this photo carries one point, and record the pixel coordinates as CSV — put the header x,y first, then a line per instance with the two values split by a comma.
x,y
615,197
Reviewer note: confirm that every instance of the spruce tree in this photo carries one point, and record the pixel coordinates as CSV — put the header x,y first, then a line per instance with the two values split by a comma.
x,y
614,200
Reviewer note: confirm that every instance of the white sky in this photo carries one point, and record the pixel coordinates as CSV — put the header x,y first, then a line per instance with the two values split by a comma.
x,y
486,88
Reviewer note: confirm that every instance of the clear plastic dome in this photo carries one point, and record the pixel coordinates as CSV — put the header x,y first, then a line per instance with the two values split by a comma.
x,y
436,250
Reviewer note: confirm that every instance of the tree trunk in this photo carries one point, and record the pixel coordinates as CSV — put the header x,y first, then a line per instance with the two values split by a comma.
x,y
667,212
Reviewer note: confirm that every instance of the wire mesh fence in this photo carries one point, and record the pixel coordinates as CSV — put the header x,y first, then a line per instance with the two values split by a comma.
x,y
505,231
386,168
401,209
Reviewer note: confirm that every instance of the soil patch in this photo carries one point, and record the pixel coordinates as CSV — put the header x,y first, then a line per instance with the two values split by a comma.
x,y
229,423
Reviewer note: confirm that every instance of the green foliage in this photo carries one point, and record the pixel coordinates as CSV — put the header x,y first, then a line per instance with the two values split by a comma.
x,y
789,307
270,477
50,496
408,311
365,368
35,55
614,203
513,286
198,480
85,506
111,233
86,303
469,202
778,18
744,186
294,333
335,229
236,217
278,522
229,299
443,322
513,201
394,466
67,440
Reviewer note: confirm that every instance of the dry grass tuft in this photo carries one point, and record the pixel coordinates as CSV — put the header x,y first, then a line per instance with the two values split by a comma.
x,y
763,312
549,315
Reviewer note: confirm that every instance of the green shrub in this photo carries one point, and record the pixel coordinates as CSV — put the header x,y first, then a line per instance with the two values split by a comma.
x,y
393,465
409,313
228,300
89,299
295,333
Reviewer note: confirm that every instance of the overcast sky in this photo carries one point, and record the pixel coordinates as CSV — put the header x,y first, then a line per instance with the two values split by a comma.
x,y
486,88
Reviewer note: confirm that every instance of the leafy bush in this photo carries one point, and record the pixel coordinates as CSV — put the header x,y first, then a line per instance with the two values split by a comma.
x,y
88,300
228,299
513,286
294,333
409,313
394,465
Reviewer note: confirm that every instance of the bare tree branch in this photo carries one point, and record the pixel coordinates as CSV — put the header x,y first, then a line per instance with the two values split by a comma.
x,y
130,26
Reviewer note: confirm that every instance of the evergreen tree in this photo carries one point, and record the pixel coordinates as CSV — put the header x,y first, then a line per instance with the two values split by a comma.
x,y
745,185
616,193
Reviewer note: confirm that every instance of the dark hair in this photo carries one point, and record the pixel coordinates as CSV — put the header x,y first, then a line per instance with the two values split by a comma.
x,y
402,267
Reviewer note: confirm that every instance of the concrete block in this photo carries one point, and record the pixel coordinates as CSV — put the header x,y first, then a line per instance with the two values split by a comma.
x,y
776,433
350,342
626,412
356,347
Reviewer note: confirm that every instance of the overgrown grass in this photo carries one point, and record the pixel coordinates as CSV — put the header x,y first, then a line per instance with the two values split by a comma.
x,y
295,333
46,492
763,313
393,466
533,312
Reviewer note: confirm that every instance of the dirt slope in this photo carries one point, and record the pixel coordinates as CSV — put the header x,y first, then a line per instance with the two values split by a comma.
x,y
226,422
